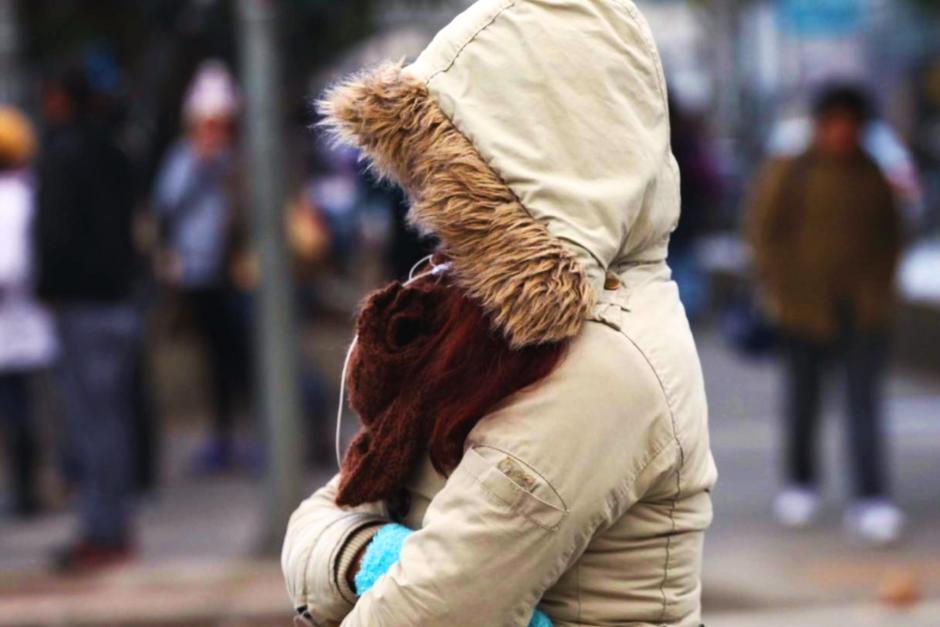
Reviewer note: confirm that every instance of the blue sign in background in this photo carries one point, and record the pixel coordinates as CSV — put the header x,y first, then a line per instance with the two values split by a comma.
x,y
822,17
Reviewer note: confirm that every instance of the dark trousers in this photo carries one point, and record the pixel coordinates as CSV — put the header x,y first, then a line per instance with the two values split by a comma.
x,y
145,438
221,318
20,435
96,379
862,355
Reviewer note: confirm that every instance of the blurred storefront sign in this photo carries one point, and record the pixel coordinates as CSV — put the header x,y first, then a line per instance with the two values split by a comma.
x,y
822,18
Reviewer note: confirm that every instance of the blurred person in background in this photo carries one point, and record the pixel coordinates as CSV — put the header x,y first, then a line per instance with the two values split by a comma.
x,y
406,245
308,237
366,218
27,341
699,188
826,235
340,193
793,133
87,270
203,257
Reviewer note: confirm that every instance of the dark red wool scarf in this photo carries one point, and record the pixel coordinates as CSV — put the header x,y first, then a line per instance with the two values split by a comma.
x,y
394,327
426,367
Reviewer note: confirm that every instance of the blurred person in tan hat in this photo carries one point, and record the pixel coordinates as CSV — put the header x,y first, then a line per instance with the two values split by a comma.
x,y
826,234
196,202
17,140
88,269
27,341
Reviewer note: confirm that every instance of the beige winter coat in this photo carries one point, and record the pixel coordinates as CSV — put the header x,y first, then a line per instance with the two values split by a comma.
x,y
533,138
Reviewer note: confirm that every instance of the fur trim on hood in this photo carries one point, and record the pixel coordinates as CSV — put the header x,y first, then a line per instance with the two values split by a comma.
x,y
533,139
531,286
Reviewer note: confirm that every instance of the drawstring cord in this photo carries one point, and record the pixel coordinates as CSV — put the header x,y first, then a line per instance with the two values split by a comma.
x,y
342,404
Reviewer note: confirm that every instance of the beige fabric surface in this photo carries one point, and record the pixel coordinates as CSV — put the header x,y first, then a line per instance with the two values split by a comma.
x,y
586,495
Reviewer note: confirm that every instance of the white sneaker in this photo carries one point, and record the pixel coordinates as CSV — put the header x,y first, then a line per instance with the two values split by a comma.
x,y
796,507
877,522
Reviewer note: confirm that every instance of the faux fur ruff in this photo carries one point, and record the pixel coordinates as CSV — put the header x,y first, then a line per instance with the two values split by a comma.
x,y
531,286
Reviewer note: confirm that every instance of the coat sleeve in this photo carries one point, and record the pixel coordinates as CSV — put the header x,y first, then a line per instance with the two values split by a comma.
x,y
538,478
180,179
762,219
321,540
171,183
887,234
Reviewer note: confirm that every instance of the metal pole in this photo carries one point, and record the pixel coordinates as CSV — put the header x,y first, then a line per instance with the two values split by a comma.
x,y
11,79
725,18
278,378
727,67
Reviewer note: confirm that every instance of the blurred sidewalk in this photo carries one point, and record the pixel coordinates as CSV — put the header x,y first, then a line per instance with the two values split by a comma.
x,y
198,537
751,564
856,615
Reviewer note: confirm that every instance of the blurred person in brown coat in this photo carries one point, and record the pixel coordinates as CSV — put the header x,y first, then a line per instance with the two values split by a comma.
x,y
826,236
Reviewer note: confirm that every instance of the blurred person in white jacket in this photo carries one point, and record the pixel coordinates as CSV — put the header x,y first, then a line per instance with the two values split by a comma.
x,y
27,341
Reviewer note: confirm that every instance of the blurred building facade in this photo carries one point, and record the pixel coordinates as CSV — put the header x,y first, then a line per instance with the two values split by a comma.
x,y
749,64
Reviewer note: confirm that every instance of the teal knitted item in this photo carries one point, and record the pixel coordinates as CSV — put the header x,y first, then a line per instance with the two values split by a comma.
x,y
385,549
540,620
380,556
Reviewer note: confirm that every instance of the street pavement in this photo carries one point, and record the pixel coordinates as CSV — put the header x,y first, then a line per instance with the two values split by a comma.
x,y
198,538
753,564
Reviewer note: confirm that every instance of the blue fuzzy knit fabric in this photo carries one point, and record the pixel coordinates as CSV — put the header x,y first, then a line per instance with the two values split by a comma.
x,y
540,620
381,555
385,549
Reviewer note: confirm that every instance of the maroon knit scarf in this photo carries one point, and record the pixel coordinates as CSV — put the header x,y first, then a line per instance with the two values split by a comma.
x,y
426,367
394,329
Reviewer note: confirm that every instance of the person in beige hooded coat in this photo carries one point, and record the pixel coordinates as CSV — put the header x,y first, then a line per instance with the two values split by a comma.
x,y
533,138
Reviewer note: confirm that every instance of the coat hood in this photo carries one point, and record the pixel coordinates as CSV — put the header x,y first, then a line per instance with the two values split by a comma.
x,y
532,137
